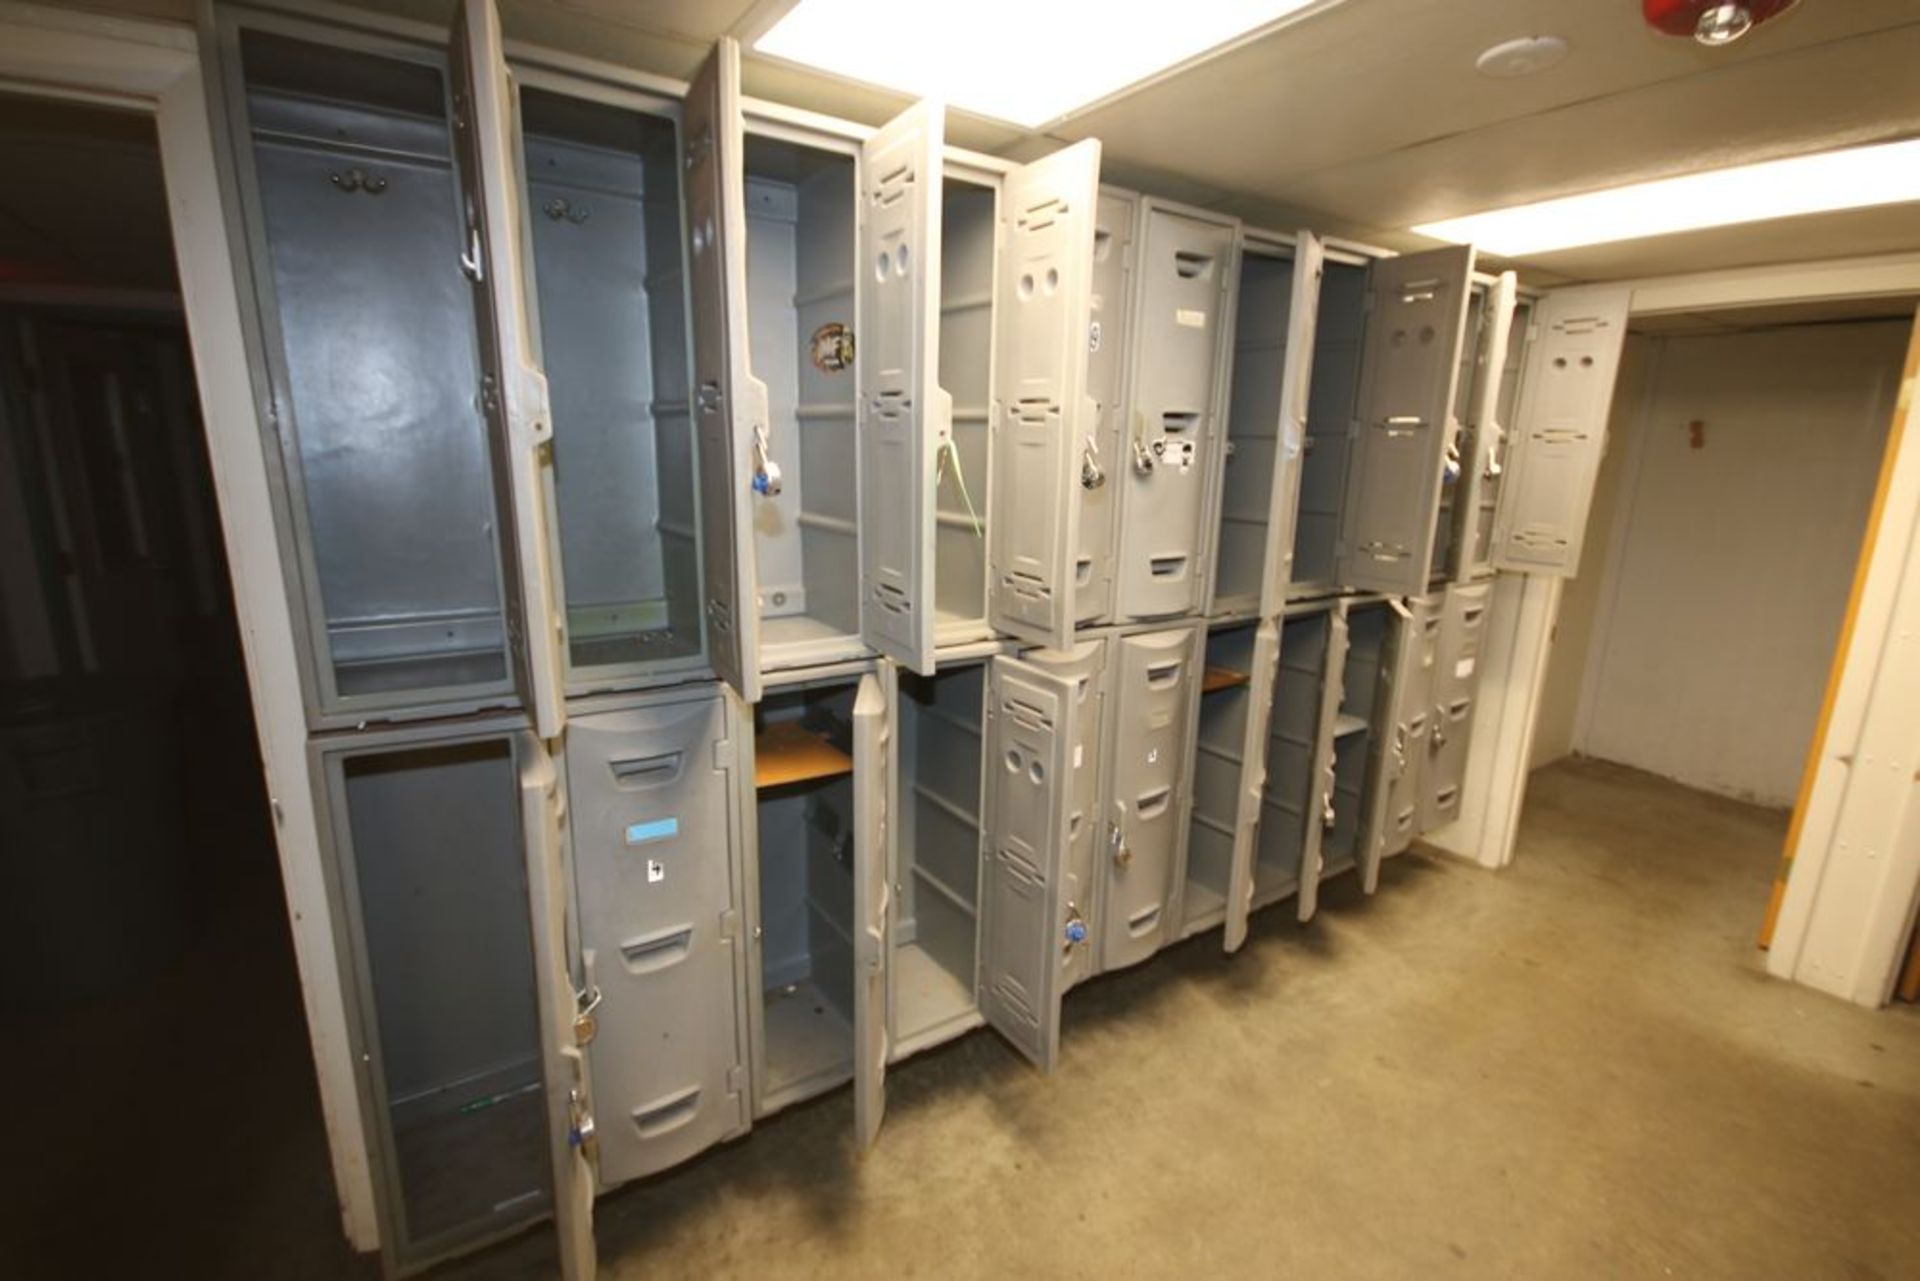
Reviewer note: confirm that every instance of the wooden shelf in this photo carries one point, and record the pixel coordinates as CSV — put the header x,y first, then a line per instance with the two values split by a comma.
x,y
1217,678
787,752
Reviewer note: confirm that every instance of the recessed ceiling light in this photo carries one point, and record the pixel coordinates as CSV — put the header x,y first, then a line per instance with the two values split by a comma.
x,y
1522,57
1855,178
1025,61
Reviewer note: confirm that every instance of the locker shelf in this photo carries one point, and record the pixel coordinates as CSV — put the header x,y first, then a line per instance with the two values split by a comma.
x,y
1219,678
1347,723
787,752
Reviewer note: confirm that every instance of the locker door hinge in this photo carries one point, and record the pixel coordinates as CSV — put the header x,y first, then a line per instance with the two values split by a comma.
x,y
722,753
737,1079
729,925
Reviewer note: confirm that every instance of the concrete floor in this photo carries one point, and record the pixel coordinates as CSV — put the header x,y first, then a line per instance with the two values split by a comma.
x,y
1575,1068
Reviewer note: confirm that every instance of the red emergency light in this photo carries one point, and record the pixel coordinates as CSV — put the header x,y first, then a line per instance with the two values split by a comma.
x,y
1711,22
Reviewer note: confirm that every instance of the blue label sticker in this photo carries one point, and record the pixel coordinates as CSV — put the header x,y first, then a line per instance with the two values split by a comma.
x,y
658,830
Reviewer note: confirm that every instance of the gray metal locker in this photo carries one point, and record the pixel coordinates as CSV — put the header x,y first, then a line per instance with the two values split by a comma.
x,y
1182,322
1406,720
1416,319
1044,409
1470,489
1357,729
1109,351
409,497
447,856
1228,777
815,775
1493,447
1298,795
1456,682
1153,691
1331,378
603,212
1560,429
653,789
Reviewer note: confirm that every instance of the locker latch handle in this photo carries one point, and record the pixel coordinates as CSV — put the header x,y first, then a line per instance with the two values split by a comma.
x,y
1092,474
1117,845
585,1024
580,1127
766,472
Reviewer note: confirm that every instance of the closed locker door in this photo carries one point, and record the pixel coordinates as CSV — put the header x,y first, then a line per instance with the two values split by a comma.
x,y
1182,332
905,419
729,403
1416,322
1150,735
1456,681
1085,665
657,871
1411,705
1027,933
1043,412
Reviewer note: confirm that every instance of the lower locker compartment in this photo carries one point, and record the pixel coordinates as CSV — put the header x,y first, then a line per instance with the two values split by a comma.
x,y
651,792
1219,764
1089,848
1291,798
936,887
804,800
427,837
1355,732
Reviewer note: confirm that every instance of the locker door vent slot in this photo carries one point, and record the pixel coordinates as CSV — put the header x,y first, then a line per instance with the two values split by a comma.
x,y
652,953
892,599
1167,566
1102,245
1043,215
1458,708
1143,921
668,1115
1026,586
1083,571
1192,266
1164,674
637,773
1179,420
1445,797
1152,805
1420,290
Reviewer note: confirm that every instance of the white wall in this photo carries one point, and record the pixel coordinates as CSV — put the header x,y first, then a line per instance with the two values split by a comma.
x,y
1696,641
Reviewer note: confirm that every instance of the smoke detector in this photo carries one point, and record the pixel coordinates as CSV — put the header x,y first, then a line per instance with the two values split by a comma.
x,y
1523,57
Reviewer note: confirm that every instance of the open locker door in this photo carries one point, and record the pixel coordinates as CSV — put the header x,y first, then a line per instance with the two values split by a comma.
x,y
1253,782
1416,321
1482,460
513,391
1321,815
1044,417
1027,929
729,403
906,420
1390,755
564,1028
1296,384
1553,457
873,756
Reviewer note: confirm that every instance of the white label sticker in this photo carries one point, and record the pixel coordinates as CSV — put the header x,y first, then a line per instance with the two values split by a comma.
x,y
656,871
1463,669
1189,317
1079,754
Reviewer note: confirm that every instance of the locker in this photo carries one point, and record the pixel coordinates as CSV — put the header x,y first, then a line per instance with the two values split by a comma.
x,y
382,239
1260,465
446,852
1492,448
1298,795
1109,355
1406,720
1482,394
1356,731
1332,401
813,779
1228,777
653,789
1456,681
1182,329
601,189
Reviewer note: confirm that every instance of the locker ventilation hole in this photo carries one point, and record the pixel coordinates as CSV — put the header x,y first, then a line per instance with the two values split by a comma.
x,y
645,771
1143,921
1192,266
1164,675
658,951
1153,804
1167,566
667,1115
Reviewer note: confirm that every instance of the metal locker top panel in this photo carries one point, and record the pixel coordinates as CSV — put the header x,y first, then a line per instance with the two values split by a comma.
x,y
513,391
730,404
905,418
1024,933
1182,328
1416,321
1560,430
1042,409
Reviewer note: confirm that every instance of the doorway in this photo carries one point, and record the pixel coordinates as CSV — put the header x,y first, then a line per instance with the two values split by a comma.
x,y
148,973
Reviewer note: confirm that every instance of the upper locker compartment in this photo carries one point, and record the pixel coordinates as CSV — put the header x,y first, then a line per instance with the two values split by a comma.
x,y
1559,430
1182,328
603,211
1415,322
1044,413
1278,295
410,497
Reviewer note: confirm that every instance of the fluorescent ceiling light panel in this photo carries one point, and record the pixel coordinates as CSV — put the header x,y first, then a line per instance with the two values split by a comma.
x,y
1858,177
1025,61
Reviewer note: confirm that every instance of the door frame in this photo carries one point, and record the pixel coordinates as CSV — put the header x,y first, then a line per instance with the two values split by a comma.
x,y
1840,914
155,68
